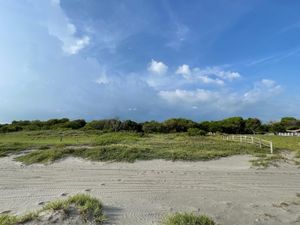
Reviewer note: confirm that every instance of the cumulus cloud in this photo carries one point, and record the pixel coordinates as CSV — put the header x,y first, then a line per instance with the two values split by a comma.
x,y
209,75
157,67
35,67
223,100
184,70
217,72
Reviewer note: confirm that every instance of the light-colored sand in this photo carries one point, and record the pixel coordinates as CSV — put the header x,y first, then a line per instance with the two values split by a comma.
x,y
143,192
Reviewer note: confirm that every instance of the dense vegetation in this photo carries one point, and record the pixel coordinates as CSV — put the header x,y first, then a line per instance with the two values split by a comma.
x,y
233,125
48,146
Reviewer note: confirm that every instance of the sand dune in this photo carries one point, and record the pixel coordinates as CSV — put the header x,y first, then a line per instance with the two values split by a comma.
x,y
143,192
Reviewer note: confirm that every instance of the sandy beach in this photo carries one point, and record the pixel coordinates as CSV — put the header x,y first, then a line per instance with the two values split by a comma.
x,y
228,190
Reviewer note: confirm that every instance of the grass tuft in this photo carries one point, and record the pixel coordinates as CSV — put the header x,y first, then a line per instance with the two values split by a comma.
x,y
90,209
188,219
264,161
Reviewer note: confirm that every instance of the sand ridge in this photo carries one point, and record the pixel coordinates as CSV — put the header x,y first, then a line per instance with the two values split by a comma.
x,y
145,191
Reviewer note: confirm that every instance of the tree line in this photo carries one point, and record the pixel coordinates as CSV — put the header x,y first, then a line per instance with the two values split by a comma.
x,y
232,125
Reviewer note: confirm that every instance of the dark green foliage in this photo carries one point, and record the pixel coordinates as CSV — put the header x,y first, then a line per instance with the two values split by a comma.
x,y
178,125
253,125
75,124
153,127
277,127
196,131
233,125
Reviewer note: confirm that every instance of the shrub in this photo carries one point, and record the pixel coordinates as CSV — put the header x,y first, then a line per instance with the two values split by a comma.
x,y
196,132
188,219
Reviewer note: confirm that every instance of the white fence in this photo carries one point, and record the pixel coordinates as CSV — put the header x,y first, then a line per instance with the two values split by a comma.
x,y
250,140
288,134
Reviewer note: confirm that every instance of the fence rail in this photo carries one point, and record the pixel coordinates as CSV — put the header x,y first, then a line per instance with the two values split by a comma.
x,y
250,140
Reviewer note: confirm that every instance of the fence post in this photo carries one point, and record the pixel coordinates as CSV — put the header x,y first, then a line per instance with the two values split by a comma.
x,y
271,147
252,140
241,138
260,143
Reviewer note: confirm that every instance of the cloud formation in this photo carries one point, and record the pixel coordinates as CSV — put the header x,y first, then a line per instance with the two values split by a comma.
x,y
55,65
157,67
223,100
59,25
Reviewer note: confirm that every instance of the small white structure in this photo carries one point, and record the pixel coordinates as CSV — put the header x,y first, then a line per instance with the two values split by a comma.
x,y
290,133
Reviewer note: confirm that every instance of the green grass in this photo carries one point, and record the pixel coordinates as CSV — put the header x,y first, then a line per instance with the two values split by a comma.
x,y
188,219
49,146
130,147
286,143
89,208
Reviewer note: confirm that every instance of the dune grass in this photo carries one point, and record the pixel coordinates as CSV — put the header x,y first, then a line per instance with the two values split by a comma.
x,y
49,146
131,146
89,208
286,143
187,219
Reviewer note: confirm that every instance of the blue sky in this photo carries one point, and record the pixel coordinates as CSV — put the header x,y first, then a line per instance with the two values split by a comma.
x,y
151,59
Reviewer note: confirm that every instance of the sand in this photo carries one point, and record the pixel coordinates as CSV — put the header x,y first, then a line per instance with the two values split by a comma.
x,y
142,193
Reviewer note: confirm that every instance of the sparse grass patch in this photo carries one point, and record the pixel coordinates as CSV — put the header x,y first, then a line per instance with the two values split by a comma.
x,y
90,209
12,148
265,161
13,220
188,219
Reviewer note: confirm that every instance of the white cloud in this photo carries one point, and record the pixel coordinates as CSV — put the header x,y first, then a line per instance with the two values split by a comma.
x,y
157,67
179,96
262,90
218,72
207,80
76,45
225,101
59,26
184,70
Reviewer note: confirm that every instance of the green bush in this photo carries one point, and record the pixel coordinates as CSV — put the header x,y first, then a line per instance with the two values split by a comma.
x,y
196,132
188,219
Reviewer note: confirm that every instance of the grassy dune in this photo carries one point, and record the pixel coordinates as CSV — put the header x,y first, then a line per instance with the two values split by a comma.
x,y
90,209
48,146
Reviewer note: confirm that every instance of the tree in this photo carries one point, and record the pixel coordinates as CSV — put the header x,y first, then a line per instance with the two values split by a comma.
x,y
153,127
75,124
277,127
233,125
253,126
179,125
